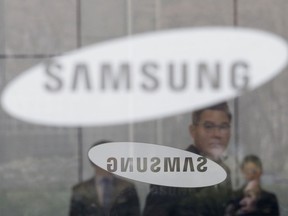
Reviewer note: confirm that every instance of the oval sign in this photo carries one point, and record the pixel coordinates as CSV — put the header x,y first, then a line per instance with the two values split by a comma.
x,y
156,164
145,77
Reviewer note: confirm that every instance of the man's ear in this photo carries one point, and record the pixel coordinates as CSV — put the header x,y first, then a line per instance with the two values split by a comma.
x,y
192,130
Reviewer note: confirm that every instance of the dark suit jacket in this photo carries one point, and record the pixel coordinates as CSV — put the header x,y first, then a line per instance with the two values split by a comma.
x,y
85,202
205,201
266,204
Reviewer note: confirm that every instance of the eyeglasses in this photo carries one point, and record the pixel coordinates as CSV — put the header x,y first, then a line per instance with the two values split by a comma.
x,y
210,127
251,171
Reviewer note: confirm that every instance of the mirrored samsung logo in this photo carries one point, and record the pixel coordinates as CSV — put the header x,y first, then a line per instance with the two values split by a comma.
x,y
117,82
156,164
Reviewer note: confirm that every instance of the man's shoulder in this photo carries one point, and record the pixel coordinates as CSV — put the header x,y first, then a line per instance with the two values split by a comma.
x,y
193,149
124,184
83,185
267,195
268,204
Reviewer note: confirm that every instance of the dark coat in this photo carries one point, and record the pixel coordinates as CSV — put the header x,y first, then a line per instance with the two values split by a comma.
x,y
85,202
205,201
266,204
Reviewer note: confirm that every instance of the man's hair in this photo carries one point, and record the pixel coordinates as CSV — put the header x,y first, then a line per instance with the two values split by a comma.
x,y
219,107
253,159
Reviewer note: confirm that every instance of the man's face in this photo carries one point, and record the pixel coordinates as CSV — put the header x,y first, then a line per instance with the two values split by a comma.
x,y
212,133
251,171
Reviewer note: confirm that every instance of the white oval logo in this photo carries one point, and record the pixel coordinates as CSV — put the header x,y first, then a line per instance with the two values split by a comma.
x,y
144,77
155,164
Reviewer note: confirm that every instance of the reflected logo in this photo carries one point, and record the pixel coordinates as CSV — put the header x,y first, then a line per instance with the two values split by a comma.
x,y
155,164
117,82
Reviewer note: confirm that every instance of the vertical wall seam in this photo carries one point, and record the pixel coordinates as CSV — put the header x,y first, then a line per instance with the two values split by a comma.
x,y
3,75
129,32
236,106
78,24
235,13
158,21
157,15
129,14
79,130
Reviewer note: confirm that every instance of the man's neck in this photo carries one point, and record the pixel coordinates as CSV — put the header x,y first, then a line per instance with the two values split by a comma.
x,y
192,148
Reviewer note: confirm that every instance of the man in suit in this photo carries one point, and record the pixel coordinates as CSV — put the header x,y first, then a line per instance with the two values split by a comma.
x,y
104,195
210,130
252,199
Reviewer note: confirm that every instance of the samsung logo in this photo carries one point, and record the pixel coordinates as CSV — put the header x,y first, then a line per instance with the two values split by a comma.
x,y
174,76
118,81
156,164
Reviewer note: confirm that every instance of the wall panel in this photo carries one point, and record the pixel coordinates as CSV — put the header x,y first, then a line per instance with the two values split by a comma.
x,y
33,160
2,23
39,27
102,20
263,112
187,13
143,16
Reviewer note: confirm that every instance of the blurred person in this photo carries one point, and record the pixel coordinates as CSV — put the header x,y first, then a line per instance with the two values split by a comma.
x,y
210,130
103,195
251,199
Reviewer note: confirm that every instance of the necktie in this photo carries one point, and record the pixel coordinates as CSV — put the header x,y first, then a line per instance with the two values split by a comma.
x,y
107,186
